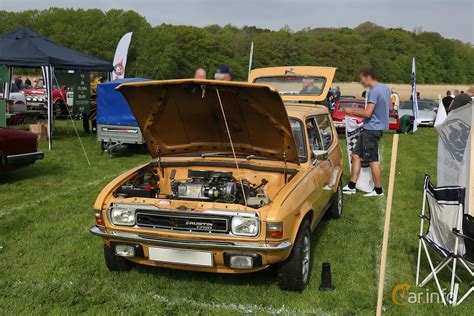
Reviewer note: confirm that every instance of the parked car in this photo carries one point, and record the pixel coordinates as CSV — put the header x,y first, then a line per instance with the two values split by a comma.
x,y
17,149
36,98
427,110
339,116
197,206
17,98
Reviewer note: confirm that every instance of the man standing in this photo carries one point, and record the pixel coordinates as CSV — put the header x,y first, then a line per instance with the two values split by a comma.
x,y
224,73
375,116
462,99
200,73
447,100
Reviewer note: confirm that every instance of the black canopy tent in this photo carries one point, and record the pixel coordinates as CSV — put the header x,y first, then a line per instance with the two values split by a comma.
x,y
25,48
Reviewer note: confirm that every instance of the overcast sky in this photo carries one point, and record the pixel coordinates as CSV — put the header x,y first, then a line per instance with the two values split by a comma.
x,y
451,18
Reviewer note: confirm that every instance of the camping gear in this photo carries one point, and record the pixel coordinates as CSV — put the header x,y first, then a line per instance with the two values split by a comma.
x,y
446,239
116,124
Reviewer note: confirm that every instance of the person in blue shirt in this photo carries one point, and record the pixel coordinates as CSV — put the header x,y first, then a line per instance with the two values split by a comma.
x,y
376,116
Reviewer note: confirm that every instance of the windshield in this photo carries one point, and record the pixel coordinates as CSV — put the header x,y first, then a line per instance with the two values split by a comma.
x,y
295,85
350,105
422,105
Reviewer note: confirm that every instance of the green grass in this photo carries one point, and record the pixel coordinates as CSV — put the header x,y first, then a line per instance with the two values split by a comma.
x,y
50,263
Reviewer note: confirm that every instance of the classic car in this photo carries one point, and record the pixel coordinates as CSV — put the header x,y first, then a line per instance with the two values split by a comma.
x,y
17,149
339,116
36,98
238,183
427,111
17,100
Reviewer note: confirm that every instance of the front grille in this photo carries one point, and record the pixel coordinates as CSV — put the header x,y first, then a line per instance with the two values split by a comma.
x,y
186,222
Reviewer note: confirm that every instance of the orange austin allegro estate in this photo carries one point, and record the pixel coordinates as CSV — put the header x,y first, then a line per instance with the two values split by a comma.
x,y
241,176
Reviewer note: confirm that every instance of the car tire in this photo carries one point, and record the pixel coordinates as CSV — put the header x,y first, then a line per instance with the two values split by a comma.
x,y
115,263
294,273
337,203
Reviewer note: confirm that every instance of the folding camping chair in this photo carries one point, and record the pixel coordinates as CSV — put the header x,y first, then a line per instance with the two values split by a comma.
x,y
445,237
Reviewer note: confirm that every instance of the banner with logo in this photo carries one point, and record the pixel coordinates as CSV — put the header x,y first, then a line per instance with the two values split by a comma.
x,y
365,183
120,58
454,151
414,97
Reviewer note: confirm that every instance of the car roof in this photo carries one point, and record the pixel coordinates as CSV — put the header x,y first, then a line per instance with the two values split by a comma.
x,y
302,111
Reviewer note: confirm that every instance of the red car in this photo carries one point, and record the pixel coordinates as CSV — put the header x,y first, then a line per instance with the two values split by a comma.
x,y
17,149
36,98
338,114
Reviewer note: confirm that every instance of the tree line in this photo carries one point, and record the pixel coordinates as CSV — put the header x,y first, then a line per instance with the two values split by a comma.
x,y
175,51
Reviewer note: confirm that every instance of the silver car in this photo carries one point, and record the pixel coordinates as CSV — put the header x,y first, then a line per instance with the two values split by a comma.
x,y
427,110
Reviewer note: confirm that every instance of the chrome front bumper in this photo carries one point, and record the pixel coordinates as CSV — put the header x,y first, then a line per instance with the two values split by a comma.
x,y
25,158
187,243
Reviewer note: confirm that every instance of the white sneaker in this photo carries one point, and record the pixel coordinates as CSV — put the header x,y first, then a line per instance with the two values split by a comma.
x,y
347,190
373,193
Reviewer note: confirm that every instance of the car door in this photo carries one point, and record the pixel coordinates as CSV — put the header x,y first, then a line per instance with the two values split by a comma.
x,y
325,167
314,139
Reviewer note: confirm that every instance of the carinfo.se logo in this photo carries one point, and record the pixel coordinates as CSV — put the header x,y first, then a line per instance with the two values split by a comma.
x,y
402,294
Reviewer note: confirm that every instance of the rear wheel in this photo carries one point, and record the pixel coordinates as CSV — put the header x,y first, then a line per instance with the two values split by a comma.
x,y
337,203
115,263
294,273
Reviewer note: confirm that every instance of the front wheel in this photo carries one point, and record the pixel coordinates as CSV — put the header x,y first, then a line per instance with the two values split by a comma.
x,y
294,273
115,263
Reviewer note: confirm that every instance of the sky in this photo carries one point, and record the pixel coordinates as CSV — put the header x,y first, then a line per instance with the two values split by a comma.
x,y
450,18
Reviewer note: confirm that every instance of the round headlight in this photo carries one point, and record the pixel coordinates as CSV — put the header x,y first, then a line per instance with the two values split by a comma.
x,y
35,99
123,216
28,98
245,226
40,99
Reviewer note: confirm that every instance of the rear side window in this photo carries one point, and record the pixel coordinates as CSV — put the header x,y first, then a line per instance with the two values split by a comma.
x,y
313,135
325,128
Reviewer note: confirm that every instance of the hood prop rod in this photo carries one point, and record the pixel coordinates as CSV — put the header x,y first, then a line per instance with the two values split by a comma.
x,y
232,146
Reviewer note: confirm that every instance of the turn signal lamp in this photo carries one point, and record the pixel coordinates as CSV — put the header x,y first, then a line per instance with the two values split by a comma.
x,y
99,220
275,230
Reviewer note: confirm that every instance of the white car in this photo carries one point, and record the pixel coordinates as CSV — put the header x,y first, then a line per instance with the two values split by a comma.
x,y
18,98
427,110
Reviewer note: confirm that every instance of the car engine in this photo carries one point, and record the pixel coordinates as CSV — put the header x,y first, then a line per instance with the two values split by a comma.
x,y
205,185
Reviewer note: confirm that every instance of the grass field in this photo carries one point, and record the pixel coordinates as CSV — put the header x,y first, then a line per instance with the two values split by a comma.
x,y
50,263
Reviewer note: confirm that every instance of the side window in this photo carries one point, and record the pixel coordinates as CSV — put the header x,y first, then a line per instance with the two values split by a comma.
x,y
325,128
300,140
313,135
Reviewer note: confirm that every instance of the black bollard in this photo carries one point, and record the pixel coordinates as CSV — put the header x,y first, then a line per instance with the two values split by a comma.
x,y
326,278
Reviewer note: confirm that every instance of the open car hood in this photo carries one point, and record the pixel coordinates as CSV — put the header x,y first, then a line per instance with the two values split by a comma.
x,y
294,92
184,116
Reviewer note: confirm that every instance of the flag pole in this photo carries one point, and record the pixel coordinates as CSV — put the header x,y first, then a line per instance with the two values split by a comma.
x,y
250,61
386,229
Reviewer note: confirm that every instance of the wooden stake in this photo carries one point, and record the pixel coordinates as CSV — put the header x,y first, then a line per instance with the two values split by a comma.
x,y
386,228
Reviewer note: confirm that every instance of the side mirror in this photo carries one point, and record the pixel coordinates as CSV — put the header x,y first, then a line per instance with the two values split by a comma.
x,y
319,155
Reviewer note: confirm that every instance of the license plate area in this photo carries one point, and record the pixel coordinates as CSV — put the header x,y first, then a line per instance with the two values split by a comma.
x,y
181,256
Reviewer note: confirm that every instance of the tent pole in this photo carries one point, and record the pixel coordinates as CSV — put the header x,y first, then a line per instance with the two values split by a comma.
x,y
47,73
8,84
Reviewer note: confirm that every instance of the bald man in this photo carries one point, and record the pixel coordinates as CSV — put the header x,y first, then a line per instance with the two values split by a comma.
x,y
200,74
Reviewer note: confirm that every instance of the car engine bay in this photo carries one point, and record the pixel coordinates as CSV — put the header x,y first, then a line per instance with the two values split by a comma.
x,y
199,185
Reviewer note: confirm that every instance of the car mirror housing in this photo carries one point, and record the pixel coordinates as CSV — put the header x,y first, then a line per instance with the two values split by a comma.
x,y
320,155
